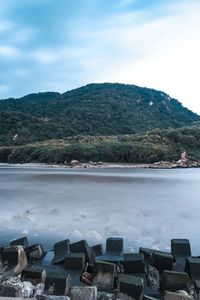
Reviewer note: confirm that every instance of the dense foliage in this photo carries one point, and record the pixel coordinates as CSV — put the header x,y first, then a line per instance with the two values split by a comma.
x,y
150,147
95,109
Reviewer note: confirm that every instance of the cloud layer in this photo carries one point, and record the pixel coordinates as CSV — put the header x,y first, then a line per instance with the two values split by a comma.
x,y
50,45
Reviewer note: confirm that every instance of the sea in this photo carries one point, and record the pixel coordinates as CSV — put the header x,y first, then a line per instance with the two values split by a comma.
x,y
147,207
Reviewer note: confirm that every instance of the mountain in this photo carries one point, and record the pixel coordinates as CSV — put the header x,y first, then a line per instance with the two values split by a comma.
x,y
94,109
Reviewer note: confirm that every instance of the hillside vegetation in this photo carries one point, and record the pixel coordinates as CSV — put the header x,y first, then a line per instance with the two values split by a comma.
x,y
96,109
150,147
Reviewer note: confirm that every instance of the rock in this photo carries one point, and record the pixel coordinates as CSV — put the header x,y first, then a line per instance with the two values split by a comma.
x,y
34,275
80,293
177,296
35,252
173,281
180,248
13,287
105,296
97,249
114,250
74,163
104,274
20,242
131,286
61,249
133,263
15,256
82,247
153,278
39,289
162,260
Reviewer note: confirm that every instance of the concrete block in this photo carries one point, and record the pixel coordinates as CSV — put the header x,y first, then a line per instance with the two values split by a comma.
x,y
82,247
79,293
114,250
20,242
131,286
176,296
57,283
162,260
147,252
133,263
61,249
104,274
35,252
180,248
34,275
75,261
174,281
192,267
97,250
15,256
50,297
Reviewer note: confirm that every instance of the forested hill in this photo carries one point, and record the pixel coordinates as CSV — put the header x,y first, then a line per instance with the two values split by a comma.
x,y
95,109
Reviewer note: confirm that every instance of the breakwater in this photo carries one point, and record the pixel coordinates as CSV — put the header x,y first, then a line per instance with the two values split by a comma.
x,y
77,271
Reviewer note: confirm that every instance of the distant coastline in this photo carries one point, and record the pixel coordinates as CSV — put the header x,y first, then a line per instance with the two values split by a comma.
x,y
106,165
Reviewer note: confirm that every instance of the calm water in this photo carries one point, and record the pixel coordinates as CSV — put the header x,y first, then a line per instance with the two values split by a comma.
x,y
147,207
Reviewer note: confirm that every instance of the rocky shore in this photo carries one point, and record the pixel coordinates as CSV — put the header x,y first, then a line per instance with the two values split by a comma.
x,y
157,165
76,271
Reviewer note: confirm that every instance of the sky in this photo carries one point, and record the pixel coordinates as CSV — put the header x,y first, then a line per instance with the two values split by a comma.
x,y
58,45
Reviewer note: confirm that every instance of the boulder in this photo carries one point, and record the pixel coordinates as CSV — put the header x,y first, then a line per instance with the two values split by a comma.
x,y
80,293
13,287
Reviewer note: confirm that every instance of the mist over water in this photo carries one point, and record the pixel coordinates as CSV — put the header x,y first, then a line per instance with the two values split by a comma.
x,y
146,207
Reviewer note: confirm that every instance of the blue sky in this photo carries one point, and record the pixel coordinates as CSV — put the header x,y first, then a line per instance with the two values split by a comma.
x,y
57,45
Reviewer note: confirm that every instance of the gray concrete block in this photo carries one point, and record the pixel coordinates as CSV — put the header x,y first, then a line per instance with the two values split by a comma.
x,y
82,247
174,281
162,260
20,242
80,293
104,275
131,286
114,250
180,248
34,275
133,263
61,249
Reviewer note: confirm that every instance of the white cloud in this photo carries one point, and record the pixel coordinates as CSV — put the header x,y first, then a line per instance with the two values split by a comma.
x,y
8,51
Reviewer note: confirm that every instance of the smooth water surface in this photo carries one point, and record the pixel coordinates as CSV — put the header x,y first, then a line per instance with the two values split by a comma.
x,y
147,207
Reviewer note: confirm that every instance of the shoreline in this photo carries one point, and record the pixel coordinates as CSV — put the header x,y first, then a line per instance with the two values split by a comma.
x,y
106,165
